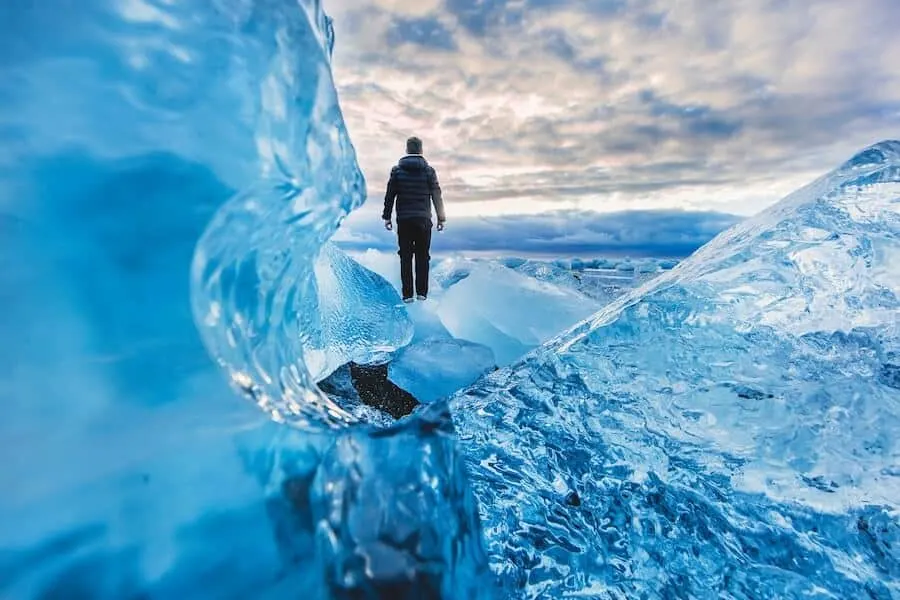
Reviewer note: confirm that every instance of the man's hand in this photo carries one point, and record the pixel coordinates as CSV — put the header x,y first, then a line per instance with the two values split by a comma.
x,y
440,226
388,225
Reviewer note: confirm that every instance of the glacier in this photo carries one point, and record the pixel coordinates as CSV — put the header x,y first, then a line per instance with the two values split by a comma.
x,y
728,429
130,134
170,175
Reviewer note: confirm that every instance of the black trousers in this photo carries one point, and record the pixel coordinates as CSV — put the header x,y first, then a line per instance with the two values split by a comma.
x,y
414,238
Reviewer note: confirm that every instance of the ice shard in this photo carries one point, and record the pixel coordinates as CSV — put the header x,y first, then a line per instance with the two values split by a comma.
x,y
727,430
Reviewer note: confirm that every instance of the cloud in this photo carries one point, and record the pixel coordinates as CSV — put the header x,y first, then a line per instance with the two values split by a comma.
x,y
619,104
428,32
659,233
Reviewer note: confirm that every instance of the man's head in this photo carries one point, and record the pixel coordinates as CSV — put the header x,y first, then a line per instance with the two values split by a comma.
x,y
414,145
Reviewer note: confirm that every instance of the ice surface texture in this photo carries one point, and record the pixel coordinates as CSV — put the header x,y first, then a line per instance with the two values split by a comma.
x,y
360,316
509,312
492,304
480,314
128,467
130,470
435,368
254,292
395,517
727,430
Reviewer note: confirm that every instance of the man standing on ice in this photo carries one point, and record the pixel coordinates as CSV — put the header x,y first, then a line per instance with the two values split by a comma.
x,y
414,185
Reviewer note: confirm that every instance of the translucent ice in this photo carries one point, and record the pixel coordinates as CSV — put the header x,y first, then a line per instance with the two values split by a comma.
x,y
437,367
597,278
427,324
397,510
129,468
386,264
726,430
492,302
358,316
497,307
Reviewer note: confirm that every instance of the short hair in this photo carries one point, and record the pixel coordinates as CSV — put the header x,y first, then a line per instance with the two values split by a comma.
x,y
414,145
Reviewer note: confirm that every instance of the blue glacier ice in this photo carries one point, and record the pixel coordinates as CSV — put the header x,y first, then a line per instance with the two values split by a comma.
x,y
170,175
391,527
600,279
484,310
160,162
360,316
435,368
509,312
728,429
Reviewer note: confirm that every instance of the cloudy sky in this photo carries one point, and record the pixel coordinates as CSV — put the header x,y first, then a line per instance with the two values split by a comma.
x,y
543,108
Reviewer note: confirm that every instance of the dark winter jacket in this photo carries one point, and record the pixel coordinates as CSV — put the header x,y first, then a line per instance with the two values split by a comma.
x,y
414,185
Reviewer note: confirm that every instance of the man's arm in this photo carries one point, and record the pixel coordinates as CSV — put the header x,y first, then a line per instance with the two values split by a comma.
x,y
436,198
389,198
